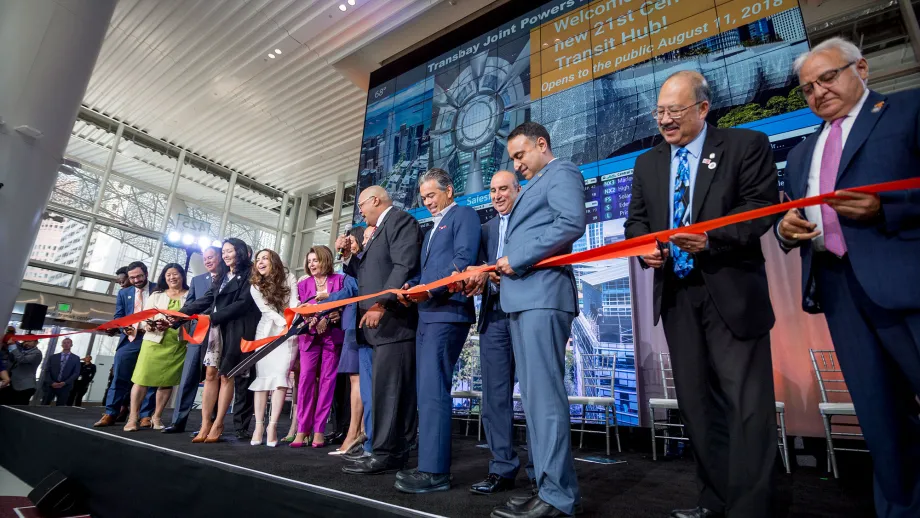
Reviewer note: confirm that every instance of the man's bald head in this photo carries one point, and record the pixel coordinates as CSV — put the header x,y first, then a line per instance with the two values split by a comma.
x,y
503,190
372,202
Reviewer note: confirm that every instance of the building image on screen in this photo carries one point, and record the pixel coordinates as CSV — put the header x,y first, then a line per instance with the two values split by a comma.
x,y
590,73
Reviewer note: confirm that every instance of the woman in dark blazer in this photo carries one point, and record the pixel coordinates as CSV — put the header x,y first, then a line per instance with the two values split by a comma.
x,y
234,316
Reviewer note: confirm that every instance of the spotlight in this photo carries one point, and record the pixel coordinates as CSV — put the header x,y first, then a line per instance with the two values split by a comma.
x,y
204,242
216,243
351,2
342,7
278,51
188,239
271,56
174,237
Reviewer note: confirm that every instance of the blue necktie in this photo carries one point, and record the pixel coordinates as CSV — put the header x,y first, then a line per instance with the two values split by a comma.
x,y
683,263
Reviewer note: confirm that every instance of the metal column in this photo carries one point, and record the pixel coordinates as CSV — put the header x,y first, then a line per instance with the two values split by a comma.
x,y
226,215
169,203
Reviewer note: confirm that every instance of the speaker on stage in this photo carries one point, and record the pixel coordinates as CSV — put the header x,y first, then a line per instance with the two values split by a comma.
x,y
33,318
56,495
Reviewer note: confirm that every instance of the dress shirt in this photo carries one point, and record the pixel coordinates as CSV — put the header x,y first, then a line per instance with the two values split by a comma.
x,y
502,230
813,214
437,221
695,149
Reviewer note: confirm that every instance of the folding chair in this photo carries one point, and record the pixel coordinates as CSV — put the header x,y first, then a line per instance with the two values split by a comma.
x,y
602,363
468,374
828,372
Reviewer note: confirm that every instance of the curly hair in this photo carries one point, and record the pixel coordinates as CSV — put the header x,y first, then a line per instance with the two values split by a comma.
x,y
273,287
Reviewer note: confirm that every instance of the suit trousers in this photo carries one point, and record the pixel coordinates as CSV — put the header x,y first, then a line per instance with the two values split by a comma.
x,y
77,394
61,396
437,349
188,384
365,369
119,393
314,406
879,354
496,360
539,338
395,412
243,401
725,388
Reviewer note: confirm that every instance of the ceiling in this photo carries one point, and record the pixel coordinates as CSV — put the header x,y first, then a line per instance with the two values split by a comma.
x,y
197,74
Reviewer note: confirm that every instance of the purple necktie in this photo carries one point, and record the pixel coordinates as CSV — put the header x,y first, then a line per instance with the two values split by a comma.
x,y
830,163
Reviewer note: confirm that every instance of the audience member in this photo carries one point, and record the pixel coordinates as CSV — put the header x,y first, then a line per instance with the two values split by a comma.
x,y
318,352
162,355
273,289
117,402
61,371
25,359
81,386
859,253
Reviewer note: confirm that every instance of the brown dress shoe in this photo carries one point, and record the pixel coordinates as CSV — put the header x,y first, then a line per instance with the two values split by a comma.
x,y
107,420
146,422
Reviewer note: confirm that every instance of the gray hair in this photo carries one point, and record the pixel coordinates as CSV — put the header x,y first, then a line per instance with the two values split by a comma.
x,y
846,48
701,90
439,176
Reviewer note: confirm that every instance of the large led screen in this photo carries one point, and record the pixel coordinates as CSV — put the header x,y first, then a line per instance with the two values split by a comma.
x,y
590,73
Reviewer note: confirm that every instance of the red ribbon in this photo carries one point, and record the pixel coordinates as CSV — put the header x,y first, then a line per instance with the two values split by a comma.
x,y
642,245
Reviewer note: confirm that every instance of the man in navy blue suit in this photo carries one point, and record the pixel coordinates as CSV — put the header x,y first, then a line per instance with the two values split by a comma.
x,y
61,370
860,253
129,300
496,356
194,353
451,245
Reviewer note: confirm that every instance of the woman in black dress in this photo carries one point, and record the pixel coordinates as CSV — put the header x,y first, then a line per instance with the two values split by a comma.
x,y
234,316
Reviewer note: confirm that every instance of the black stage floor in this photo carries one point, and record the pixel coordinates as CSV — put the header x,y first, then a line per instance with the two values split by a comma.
x,y
148,473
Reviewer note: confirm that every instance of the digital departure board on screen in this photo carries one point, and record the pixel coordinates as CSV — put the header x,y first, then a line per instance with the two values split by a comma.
x,y
590,73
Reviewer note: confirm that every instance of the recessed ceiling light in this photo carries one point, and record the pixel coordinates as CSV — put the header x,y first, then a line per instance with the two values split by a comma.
x,y
270,55
342,7
351,2
278,51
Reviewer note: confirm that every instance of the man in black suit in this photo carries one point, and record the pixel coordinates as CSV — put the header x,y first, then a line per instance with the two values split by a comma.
x,y
711,292
389,260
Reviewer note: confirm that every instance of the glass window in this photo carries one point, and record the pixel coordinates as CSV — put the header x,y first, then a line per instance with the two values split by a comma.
x,y
43,276
111,248
169,254
134,206
59,239
75,187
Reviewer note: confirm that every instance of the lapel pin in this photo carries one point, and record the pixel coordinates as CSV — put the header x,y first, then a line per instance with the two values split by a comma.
x,y
712,155
878,106
712,165
706,160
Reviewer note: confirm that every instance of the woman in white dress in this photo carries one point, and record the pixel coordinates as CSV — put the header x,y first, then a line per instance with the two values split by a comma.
x,y
273,289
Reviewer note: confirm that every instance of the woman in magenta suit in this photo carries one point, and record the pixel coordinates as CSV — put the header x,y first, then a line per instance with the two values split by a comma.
x,y
321,350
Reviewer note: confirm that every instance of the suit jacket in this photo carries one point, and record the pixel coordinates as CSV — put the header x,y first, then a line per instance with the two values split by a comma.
x,y
197,288
733,269
455,246
23,366
390,260
234,311
53,370
547,218
883,146
488,250
124,306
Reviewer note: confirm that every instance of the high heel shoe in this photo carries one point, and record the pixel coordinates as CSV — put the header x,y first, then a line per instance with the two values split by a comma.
x,y
202,435
272,425
157,423
260,428
131,425
211,440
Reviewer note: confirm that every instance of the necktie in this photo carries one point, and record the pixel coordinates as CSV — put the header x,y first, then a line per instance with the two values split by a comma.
x,y
683,263
830,163
138,307
368,233
64,358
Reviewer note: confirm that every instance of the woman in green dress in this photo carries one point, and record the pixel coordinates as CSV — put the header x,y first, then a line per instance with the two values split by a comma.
x,y
162,355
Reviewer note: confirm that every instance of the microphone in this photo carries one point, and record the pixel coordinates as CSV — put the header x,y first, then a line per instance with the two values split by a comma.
x,y
342,250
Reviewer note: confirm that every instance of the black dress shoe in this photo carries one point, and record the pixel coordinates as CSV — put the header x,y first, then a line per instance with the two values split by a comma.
x,y
699,512
521,500
373,466
533,508
406,473
243,435
354,457
335,437
421,482
492,484
175,428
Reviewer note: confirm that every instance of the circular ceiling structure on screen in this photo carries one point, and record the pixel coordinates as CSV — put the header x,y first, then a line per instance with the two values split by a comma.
x,y
476,114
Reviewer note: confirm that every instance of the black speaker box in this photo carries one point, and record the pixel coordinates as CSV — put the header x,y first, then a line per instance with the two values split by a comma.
x,y
56,495
33,318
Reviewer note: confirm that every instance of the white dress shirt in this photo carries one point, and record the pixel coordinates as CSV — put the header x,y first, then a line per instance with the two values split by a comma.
x,y
437,221
813,214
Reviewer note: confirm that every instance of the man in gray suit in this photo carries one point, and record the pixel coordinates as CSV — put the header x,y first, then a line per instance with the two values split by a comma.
x,y
61,371
25,359
194,353
547,218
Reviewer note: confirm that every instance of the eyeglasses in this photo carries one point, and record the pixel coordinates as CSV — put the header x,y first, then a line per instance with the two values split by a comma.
x,y
674,112
826,79
365,200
